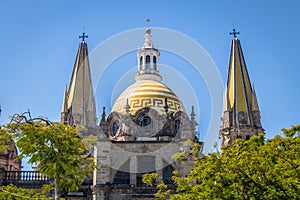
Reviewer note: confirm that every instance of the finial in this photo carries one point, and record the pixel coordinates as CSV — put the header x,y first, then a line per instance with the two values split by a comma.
x,y
166,107
148,42
127,107
193,114
103,113
234,33
83,36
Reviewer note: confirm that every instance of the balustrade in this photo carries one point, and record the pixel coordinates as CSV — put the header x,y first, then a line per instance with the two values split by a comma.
x,y
24,176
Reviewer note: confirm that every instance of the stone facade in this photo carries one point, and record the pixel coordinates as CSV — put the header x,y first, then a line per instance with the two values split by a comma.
x,y
125,157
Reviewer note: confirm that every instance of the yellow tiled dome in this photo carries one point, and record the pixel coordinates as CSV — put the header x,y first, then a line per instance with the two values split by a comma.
x,y
147,93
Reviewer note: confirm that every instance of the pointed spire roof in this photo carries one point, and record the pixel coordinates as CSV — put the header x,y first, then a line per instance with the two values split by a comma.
x,y
79,100
241,115
65,105
239,95
193,115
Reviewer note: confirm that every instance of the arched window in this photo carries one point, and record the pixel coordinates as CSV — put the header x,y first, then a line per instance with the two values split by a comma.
x,y
154,63
145,122
177,124
141,62
115,127
147,62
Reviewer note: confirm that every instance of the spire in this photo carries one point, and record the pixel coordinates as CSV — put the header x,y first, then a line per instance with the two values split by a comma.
x,y
193,115
148,60
79,102
241,116
64,111
239,91
103,114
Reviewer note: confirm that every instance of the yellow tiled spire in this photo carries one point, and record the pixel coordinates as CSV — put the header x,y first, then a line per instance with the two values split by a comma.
x,y
79,103
241,115
239,88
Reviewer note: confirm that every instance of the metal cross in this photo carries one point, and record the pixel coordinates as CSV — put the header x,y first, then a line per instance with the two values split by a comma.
x,y
83,36
234,33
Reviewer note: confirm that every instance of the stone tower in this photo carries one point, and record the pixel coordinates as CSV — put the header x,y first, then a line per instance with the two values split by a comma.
x,y
79,103
241,114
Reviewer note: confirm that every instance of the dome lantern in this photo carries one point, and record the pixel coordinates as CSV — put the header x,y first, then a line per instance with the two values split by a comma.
x,y
148,60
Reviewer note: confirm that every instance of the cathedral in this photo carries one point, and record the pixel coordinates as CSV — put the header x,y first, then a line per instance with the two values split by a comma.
x,y
148,123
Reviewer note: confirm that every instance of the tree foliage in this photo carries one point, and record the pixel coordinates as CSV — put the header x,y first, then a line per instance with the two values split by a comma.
x,y
5,139
249,169
12,192
56,148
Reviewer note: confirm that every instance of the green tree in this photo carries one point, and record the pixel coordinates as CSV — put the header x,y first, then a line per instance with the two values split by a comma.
x,y
5,139
249,169
12,192
56,148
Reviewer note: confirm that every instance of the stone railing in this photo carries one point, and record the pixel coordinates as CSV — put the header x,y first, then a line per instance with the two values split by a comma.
x,y
24,176
31,179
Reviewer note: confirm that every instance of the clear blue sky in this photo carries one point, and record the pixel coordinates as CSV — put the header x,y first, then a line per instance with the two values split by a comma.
x,y
39,40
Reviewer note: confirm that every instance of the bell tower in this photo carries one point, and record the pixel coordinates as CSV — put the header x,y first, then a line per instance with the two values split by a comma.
x,y
241,114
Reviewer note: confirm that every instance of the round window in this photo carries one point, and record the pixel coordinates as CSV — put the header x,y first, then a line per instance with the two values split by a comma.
x,y
145,122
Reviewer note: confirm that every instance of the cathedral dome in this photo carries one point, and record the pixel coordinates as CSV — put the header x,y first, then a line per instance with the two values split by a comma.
x,y
147,93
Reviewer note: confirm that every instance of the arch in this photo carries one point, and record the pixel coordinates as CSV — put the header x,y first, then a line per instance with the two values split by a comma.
x,y
177,125
147,62
141,63
154,63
